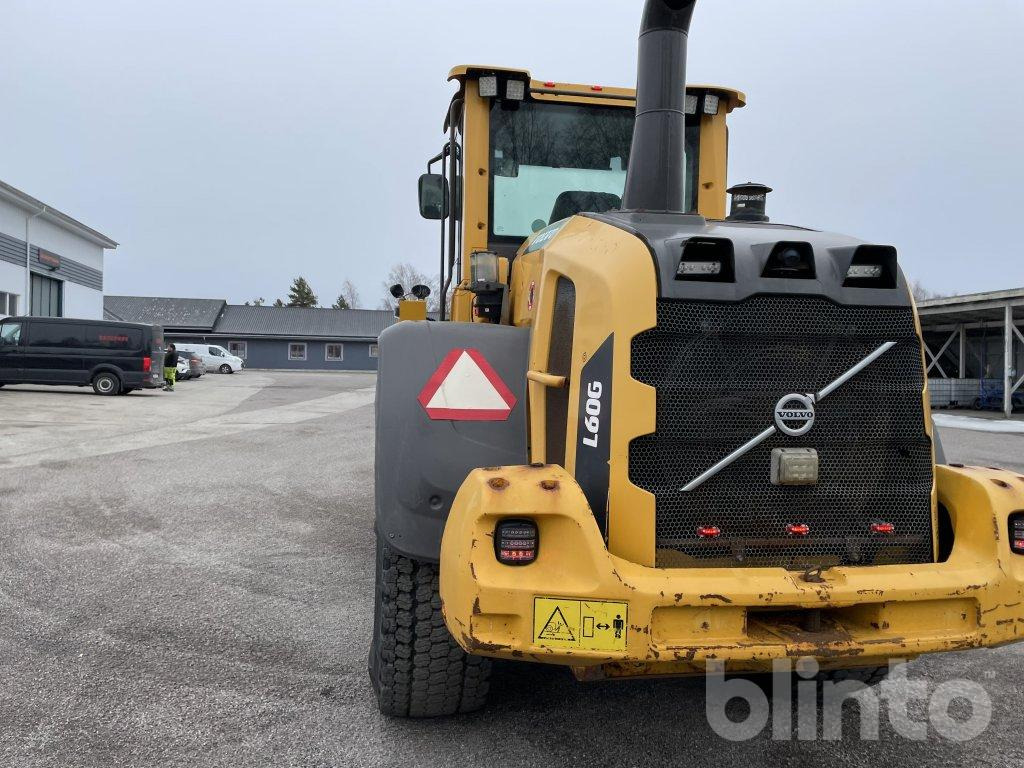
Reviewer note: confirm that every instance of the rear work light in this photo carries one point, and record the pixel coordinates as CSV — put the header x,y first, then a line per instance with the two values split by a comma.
x,y
798,529
1017,532
699,268
147,364
515,542
864,272
488,86
515,90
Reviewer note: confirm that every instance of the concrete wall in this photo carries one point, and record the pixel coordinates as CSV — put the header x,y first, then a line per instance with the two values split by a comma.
x,y
273,353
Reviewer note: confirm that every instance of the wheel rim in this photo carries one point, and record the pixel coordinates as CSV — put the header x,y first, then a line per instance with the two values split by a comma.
x,y
105,384
225,368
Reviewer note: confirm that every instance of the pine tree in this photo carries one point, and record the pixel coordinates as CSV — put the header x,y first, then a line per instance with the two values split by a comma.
x,y
301,294
341,303
278,303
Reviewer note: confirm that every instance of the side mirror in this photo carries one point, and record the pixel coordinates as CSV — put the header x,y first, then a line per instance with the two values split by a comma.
x,y
433,197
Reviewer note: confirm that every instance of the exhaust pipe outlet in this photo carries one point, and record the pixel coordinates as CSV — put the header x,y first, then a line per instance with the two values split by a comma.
x,y
656,176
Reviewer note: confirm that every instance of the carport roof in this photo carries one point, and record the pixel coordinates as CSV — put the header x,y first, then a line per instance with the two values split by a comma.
x,y
972,308
172,314
299,322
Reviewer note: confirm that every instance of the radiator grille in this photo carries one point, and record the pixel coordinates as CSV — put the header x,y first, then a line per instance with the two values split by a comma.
x,y
719,369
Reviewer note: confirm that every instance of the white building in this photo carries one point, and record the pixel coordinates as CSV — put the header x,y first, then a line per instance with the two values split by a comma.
x,y
49,257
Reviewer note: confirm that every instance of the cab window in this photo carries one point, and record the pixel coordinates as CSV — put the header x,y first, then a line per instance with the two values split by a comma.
x,y
215,351
10,333
550,161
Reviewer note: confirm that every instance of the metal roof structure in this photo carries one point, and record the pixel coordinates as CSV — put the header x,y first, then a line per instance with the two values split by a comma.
x,y
172,314
957,315
215,317
299,322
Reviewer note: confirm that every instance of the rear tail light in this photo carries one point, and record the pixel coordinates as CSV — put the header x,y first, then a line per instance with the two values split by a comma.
x,y
1017,532
798,529
147,364
709,532
515,542
885,529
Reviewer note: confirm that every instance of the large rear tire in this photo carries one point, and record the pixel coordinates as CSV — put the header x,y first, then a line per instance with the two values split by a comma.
x,y
416,667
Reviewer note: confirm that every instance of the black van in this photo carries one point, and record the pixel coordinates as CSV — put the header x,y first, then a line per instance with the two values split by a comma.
x,y
116,358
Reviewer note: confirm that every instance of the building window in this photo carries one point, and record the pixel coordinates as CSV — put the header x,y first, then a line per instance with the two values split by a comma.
x,y
373,350
334,352
296,351
238,348
47,297
8,304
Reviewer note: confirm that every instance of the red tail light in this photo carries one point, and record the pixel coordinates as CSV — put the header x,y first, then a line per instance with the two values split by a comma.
x,y
516,541
709,532
147,364
1017,532
886,529
798,529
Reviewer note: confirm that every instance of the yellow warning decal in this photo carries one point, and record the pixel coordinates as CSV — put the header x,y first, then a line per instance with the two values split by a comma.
x,y
588,625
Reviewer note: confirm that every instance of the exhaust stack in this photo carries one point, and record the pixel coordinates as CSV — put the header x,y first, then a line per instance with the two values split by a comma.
x,y
655,180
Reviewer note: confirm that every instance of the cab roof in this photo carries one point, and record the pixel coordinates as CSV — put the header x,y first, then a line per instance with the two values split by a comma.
x,y
550,90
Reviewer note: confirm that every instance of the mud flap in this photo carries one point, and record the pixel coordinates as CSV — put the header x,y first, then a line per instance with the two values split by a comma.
x,y
428,440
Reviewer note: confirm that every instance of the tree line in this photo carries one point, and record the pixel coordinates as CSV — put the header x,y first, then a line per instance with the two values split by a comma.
x,y
301,293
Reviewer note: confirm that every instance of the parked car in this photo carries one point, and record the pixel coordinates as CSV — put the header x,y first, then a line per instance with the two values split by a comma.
x,y
115,358
184,369
214,357
195,363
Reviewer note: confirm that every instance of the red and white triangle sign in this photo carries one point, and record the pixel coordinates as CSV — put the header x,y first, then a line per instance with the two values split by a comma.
x,y
466,388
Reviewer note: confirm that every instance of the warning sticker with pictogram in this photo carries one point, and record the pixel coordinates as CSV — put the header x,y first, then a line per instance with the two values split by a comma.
x,y
590,625
466,388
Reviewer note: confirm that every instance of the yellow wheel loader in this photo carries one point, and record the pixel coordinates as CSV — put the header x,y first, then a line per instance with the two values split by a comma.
x,y
647,435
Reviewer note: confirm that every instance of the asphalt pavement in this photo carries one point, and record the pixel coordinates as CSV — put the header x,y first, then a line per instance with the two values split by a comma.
x,y
186,580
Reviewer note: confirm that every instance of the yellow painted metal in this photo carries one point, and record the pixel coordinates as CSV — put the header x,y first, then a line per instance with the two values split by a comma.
x,y
616,286
412,309
712,164
546,379
681,618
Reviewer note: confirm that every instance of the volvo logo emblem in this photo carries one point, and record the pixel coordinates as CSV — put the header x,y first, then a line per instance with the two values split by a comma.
x,y
794,414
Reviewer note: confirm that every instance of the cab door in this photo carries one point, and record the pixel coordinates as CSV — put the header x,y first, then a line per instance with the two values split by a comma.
x,y
11,351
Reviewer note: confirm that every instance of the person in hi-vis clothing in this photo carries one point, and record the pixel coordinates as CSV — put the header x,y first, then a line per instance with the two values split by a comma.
x,y
170,368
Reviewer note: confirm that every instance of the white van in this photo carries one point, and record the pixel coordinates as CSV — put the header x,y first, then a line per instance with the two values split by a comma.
x,y
215,357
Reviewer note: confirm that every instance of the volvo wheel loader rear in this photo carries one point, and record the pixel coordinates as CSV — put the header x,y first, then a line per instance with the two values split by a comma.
x,y
648,435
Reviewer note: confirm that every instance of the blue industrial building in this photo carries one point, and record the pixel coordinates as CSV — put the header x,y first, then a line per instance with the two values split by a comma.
x,y
292,338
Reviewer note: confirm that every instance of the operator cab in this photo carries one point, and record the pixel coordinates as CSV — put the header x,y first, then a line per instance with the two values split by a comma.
x,y
528,153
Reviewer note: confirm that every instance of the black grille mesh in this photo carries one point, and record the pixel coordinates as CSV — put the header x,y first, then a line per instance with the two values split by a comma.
x,y
720,368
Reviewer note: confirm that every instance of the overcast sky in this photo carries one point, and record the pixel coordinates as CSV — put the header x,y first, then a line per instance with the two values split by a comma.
x,y
230,146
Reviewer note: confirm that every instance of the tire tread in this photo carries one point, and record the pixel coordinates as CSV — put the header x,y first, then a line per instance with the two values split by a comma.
x,y
416,667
